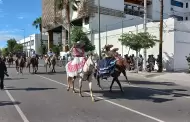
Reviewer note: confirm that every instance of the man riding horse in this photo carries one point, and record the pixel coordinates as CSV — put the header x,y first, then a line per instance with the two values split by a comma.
x,y
50,54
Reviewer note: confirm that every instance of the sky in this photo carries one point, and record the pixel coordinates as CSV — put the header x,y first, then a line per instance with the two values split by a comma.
x,y
16,17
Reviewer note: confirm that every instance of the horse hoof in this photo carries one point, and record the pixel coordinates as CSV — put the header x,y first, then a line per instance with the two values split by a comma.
x,y
80,95
93,100
74,91
67,89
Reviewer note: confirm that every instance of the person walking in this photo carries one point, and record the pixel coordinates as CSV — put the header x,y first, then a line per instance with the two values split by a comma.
x,y
3,72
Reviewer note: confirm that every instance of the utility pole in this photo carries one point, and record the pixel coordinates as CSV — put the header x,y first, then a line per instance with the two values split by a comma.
x,y
145,29
161,36
99,29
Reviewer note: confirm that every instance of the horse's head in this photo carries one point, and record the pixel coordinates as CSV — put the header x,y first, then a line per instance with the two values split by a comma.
x,y
92,61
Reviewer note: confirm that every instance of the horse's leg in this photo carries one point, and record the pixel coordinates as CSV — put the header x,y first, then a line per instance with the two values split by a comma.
x,y
113,80
73,85
125,75
90,87
118,82
98,82
68,83
80,86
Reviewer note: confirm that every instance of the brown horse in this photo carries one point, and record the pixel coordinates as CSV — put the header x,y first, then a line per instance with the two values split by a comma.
x,y
20,64
34,62
120,67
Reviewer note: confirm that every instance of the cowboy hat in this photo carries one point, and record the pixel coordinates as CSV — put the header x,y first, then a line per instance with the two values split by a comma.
x,y
108,46
115,49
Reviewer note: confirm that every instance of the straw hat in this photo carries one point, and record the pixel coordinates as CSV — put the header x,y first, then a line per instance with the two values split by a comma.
x,y
80,44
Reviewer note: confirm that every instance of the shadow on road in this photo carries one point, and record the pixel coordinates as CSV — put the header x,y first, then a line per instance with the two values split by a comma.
x,y
50,73
31,89
4,103
15,78
142,82
138,93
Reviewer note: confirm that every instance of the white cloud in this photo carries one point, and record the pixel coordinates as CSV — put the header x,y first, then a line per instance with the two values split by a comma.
x,y
1,1
5,35
20,17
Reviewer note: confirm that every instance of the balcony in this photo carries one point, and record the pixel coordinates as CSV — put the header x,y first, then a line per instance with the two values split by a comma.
x,y
139,2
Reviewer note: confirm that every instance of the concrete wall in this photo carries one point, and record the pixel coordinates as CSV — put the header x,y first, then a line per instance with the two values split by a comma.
x,y
171,54
182,45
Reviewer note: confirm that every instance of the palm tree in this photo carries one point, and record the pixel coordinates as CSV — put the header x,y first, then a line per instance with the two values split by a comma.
x,y
65,4
37,23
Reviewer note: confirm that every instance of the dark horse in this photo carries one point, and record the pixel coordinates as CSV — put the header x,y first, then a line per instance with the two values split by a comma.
x,y
34,62
120,67
20,64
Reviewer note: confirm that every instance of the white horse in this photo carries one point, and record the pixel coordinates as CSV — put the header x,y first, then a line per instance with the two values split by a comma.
x,y
85,75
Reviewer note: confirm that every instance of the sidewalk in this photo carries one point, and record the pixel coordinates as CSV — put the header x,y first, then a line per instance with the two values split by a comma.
x,y
181,78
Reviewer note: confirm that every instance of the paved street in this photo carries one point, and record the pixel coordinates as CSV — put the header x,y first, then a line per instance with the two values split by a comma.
x,y
44,98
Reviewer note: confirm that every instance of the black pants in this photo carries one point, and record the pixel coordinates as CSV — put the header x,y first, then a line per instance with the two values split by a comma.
x,y
2,82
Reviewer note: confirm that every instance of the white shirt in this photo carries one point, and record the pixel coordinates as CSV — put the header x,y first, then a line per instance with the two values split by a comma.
x,y
50,54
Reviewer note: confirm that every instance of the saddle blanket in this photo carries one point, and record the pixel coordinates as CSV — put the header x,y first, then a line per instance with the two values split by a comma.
x,y
106,67
76,65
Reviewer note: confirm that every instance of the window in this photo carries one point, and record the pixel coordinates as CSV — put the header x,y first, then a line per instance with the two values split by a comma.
x,y
177,3
32,42
186,18
186,5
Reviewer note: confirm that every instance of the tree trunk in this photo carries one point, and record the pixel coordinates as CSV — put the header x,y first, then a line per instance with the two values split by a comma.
x,y
67,9
41,42
137,61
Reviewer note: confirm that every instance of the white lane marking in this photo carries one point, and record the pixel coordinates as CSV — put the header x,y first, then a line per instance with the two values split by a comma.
x,y
17,107
116,104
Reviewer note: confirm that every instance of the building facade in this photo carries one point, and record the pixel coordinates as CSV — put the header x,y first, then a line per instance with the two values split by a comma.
x,y
176,42
33,42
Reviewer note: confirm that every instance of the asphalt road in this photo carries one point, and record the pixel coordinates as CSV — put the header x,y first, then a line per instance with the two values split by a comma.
x,y
44,98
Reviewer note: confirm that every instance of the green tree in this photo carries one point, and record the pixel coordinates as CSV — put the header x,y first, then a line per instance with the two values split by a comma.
x,y
11,44
77,34
138,41
5,52
18,48
56,49
43,49
37,23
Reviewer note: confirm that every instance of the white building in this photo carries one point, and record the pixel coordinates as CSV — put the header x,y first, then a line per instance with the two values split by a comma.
x,y
33,42
176,43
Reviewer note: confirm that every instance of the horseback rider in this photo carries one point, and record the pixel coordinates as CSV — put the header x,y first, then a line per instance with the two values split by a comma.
x,y
33,54
107,64
107,52
50,54
75,66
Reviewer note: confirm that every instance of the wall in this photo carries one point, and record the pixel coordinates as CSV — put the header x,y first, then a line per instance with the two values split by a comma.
x,y
112,23
115,4
156,9
182,44
153,28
